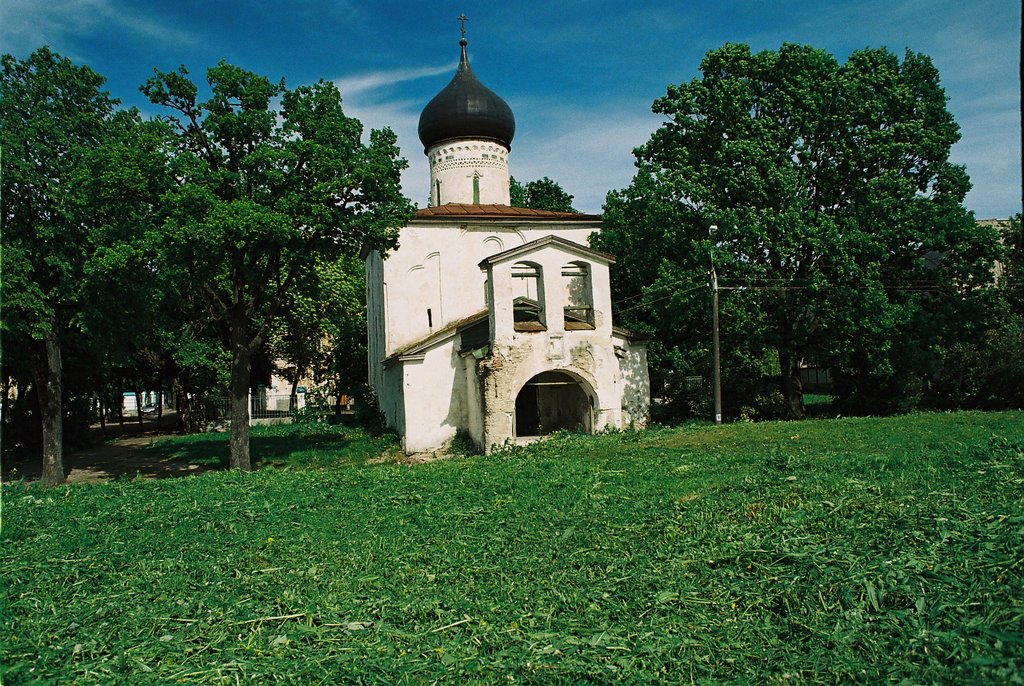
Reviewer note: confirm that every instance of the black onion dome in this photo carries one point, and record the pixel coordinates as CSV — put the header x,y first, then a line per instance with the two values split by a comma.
x,y
466,108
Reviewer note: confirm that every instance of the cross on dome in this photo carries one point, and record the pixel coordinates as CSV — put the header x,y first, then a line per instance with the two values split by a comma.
x,y
465,108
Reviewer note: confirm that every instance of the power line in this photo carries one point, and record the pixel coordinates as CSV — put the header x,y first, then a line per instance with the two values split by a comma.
x,y
909,286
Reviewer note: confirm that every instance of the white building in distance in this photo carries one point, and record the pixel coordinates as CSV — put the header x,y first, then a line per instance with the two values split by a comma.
x,y
492,320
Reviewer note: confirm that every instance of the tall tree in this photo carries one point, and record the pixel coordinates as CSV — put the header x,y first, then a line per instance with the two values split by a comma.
x,y
122,183
52,113
542,194
837,208
263,194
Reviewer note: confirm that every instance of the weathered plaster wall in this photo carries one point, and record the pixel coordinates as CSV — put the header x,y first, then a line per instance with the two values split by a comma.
x,y
581,354
550,259
436,268
635,382
518,356
474,400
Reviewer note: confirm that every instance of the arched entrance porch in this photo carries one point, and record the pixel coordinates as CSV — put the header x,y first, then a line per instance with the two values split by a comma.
x,y
554,401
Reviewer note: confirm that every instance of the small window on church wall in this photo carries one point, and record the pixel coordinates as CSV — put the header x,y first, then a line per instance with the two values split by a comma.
x,y
527,297
476,189
579,296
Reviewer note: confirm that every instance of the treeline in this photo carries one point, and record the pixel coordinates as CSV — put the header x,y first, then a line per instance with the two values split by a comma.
x,y
188,251
823,195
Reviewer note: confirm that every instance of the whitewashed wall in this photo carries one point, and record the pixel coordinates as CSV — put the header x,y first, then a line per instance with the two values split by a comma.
x,y
436,267
454,165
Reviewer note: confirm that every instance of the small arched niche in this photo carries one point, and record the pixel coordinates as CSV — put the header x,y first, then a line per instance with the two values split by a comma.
x,y
528,297
579,296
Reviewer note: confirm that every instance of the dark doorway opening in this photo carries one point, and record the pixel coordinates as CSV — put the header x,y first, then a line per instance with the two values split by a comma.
x,y
553,401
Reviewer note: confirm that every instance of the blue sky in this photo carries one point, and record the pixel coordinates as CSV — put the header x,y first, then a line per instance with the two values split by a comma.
x,y
579,76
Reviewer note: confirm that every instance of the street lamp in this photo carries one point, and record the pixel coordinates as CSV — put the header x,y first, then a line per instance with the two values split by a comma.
x,y
714,330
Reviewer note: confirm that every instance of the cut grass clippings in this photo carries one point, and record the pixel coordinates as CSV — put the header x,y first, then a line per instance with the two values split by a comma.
x,y
852,550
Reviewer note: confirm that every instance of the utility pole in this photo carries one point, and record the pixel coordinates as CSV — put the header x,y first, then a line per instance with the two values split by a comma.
x,y
714,331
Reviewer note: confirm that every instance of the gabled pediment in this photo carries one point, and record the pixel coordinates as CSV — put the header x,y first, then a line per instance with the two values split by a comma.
x,y
560,244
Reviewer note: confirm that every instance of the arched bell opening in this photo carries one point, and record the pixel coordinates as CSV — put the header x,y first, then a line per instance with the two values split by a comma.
x,y
554,401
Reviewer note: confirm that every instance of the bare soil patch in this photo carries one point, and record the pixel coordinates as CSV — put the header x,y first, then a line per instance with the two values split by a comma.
x,y
118,452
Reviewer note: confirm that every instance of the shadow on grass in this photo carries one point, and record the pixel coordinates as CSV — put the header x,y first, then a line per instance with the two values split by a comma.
x,y
818,406
294,449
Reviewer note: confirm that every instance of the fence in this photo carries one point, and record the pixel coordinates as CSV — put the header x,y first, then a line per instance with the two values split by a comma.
x,y
262,408
266,406
816,379
131,405
270,408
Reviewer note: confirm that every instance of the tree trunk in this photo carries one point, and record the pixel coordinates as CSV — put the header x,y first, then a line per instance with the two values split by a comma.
x,y
181,405
138,408
241,362
792,389
47,375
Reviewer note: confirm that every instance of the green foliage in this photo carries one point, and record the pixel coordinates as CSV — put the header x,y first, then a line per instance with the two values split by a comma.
x,y
856,550
841,235
268,198
1011,281
55,123
987,372
368,414
52,113
542,194
322,330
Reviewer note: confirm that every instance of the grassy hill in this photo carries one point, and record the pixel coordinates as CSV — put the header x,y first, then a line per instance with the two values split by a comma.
x,y
852,550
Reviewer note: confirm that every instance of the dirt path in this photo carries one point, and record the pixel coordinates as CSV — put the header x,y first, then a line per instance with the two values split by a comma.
x,y
122,457
126,457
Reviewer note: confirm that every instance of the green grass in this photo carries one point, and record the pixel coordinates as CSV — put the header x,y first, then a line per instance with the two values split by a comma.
x,y
818,405
280,445
853,550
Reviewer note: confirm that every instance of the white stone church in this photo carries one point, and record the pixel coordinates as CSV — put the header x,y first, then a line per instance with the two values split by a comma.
x,y
488,319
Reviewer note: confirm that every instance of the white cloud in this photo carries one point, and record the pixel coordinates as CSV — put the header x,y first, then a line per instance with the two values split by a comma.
x,y
365,97
28,24
380,79
587,151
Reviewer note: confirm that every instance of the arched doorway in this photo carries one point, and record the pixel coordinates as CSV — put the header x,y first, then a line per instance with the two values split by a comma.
x,y
553,401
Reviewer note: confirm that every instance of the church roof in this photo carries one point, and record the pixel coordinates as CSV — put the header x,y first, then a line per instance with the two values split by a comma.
x,y
420,346
464,211
466,108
